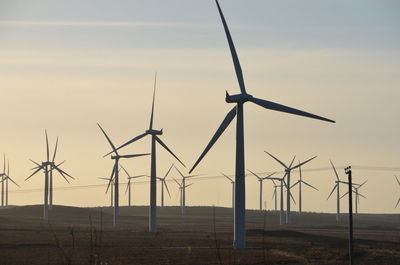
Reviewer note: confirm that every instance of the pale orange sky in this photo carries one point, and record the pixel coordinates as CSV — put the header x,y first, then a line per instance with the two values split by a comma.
x,y
66,68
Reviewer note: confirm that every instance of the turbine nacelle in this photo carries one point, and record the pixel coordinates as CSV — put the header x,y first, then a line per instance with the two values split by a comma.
x,y
238,98
154,132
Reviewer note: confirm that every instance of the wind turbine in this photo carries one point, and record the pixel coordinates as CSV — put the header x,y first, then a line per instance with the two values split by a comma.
x,y
153,172
233,189
182,187
112,190
299,182
3,177
240,100
357,193
115,175
9,178
274,195
282,183
48,166
260,180
288,170
398,201
128,185
164,183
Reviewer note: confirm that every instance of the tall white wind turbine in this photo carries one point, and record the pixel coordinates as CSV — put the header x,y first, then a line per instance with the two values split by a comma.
x,y
300,182
260,180
233,189
337,188
48,166
115,175
8,177
153,171
288,170
240,100
129,184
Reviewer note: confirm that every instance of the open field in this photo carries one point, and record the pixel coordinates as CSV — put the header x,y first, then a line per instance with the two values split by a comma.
x,y
85,235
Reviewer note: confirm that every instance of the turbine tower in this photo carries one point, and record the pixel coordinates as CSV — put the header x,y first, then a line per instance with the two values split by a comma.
x,y
153,171
260,180
240,100
48,166
164,183
115,176
288,170
398,182
9,178
128,185
184,187
233,189
299,182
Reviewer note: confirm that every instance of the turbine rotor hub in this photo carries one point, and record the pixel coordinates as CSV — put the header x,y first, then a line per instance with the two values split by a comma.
x,y
154,132
238,98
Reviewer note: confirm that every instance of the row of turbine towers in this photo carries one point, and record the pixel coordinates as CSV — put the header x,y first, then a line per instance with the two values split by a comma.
x,y
238,182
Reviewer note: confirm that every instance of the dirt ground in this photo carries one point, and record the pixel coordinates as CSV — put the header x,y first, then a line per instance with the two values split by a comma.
x,y
202,236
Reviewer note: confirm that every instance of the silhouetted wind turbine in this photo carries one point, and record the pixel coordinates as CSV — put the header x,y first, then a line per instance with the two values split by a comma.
x,y
153,172
357,193
3,177
233,189
184,187
115,176
299,182
9,178
288,170
398,201
164,183
282,183
239,100
337,187
48,166
275,195
128,184
260,180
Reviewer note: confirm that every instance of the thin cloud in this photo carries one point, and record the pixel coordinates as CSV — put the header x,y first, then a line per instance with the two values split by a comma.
x,y
127,24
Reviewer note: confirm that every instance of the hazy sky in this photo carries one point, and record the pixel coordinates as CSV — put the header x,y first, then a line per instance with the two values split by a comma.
x,y
65,65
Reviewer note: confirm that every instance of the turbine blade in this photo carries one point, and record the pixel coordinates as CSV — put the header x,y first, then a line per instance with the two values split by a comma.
x,y
334,188
254,174
344,195
279,161
302,163
134,155
359,194
126,172
169,150
269,176
166,175
362,184
189,185
291,196
35,163
274,194
225,123
55,150
300,170
8,167
291,163
294,184
108,139
398,181
177,182
166,187
282,108
152,106
227,177
4,163
334,169
13,181
235,58
112,177
47,145
127,186
311,186
180,173
129,142
63,172
397,203
139,176
36,171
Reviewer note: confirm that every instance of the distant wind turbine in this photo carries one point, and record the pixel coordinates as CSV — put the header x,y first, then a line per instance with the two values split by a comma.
x,y
398,182
184,187
275,195
115,175
233,189
128,185
260,180
240,100
164,184
111,190
288,170
282,183
3,177
153,171
9,178
357,193
299,182
48,166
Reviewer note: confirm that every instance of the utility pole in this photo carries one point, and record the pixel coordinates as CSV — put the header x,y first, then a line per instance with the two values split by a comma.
x,y
347,170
